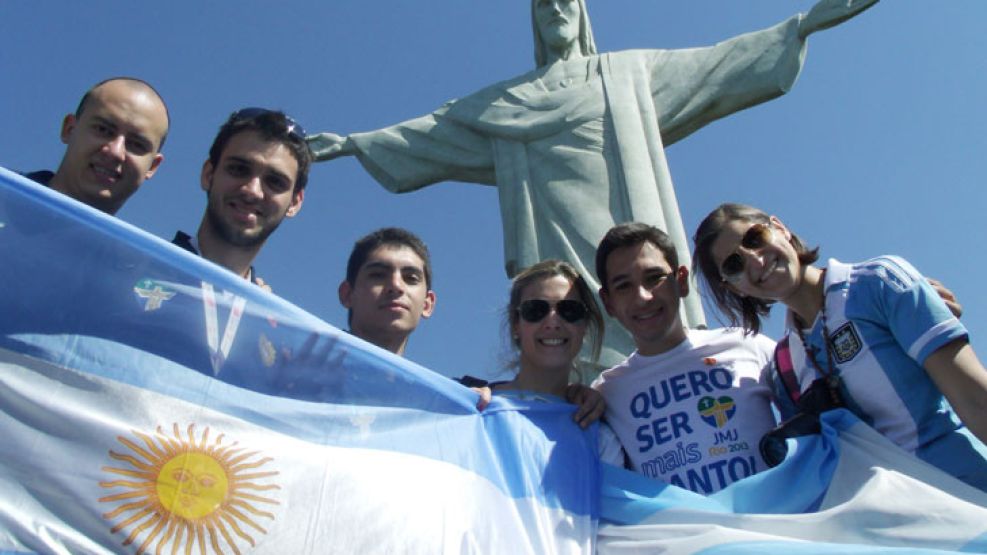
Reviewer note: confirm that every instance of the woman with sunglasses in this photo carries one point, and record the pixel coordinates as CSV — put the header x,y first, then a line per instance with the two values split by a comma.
x,y
894,355
551,308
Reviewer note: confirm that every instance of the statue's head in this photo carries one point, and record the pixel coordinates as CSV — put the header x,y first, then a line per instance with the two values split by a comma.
x,y
570,26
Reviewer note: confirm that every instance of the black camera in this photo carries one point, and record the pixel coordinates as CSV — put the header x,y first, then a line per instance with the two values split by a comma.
x,y
823,395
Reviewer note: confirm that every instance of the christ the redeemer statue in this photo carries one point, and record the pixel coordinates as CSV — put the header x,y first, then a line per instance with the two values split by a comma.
x,y
577,145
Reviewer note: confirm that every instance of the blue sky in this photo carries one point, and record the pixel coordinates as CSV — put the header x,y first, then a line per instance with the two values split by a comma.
x,y
879,148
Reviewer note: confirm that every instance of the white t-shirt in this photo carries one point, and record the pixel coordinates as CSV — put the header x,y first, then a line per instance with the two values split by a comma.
x,y
694,416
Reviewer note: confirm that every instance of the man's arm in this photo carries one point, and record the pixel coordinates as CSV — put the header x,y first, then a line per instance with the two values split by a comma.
x,y
962,379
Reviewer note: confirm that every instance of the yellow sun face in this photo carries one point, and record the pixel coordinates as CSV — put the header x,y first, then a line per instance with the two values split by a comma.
x,y
192,485
188,492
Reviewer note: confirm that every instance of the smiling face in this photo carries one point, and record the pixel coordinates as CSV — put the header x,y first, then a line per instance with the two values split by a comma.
x,y
251,190
558,23
770,270
112,146
553,343
643,292
388,297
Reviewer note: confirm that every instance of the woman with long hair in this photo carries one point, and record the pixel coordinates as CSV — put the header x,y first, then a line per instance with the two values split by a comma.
x,y
873,337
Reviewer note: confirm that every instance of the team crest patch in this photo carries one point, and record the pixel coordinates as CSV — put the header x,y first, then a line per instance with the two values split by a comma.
x,y
180,493
716,411
846,342
152,294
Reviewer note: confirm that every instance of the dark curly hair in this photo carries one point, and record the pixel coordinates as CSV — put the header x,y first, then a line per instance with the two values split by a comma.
x,y
272,125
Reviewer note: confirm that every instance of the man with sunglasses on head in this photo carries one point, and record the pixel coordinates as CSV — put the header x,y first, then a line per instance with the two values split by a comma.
x,y
112,144
254,178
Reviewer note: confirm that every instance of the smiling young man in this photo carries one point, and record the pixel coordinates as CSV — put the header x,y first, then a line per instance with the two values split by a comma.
x,y
388,287
689,406
254,178
112,144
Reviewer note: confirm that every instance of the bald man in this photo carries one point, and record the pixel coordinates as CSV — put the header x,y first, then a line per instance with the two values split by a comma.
x,y
113,143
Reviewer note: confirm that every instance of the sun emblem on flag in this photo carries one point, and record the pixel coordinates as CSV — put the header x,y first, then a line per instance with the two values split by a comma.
x,y
188,492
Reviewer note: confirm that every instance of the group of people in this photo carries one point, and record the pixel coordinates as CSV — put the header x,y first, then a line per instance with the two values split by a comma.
x,y
688,406
254,177
694,407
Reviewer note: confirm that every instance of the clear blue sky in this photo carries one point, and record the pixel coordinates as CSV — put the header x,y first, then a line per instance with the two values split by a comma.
x,y
879,148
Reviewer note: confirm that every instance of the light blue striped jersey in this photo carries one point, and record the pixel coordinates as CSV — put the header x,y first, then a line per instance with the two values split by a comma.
x,y
883,320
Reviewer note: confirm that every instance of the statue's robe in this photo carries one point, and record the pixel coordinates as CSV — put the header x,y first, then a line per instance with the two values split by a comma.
x,y
578,146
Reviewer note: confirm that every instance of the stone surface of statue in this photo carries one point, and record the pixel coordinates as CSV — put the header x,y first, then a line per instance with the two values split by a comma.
x,y
577,144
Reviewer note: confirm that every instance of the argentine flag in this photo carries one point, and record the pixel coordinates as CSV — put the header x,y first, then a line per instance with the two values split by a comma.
x,y
151,402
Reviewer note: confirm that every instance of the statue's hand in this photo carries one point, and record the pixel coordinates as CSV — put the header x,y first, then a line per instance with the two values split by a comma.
x,y
827,13
326,146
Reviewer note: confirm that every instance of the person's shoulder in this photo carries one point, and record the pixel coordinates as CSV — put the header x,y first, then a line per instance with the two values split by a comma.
x,y
41,176
729,334
706,335
887,270
184,240
615,373
734,338
471,381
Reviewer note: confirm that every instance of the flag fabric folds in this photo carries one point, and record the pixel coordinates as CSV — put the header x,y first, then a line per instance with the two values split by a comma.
x,y
153,402
150,401
848,490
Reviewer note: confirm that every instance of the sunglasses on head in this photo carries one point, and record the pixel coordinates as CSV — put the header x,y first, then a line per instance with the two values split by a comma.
x,y
535,310
758,235
295,129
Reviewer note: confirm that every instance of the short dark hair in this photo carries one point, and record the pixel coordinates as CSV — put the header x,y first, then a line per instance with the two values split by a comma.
x,y
629,235
389,236
272,125
135,81
551,268
741,310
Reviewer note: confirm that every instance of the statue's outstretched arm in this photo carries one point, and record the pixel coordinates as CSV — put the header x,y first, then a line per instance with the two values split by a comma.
x,y
415,153
827,13
327,146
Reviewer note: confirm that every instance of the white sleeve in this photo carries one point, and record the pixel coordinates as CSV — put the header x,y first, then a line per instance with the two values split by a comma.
x,y
608,446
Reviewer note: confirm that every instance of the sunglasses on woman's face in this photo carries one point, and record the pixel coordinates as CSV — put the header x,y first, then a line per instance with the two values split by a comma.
x,y
535,310
756,237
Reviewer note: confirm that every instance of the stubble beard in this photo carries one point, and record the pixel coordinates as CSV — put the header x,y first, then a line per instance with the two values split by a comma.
x,y
230,234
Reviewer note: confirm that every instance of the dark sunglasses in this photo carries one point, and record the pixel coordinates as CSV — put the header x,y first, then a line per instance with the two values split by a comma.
x,y
535,310
295,129
732,268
